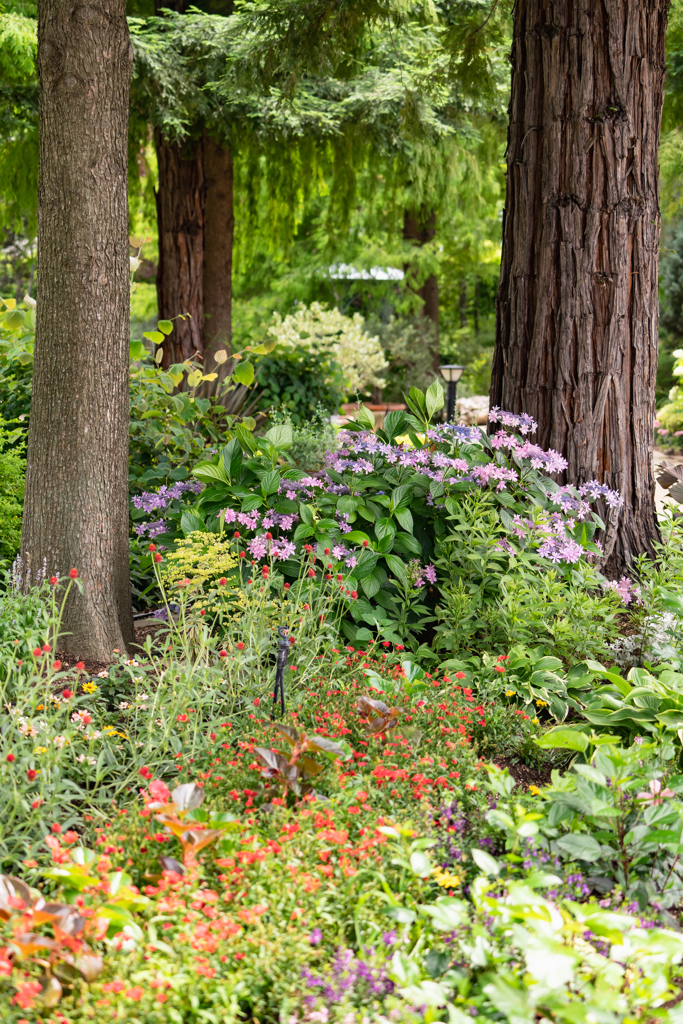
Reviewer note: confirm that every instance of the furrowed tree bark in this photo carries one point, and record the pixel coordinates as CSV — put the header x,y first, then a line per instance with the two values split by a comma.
x,y
576,331
219,227
180,218
420,227
76,506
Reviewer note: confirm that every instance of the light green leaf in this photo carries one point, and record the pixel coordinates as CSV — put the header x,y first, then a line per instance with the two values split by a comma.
x,y
165,326
485,862
563,738
580,847
243,373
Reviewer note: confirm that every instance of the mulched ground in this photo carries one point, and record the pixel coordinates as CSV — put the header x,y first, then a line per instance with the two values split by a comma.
x,y
93,668
525,775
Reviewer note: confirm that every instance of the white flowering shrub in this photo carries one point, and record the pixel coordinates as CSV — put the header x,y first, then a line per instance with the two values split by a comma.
x,y
317,327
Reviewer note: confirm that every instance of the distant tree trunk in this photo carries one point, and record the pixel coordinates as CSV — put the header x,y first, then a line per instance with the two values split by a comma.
x,y
463,303
420,227
180,218
219,225
76,506
576,321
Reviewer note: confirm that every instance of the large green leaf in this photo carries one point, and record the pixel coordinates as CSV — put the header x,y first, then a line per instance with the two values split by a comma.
x,y
207,472
564,738
244,373
580,846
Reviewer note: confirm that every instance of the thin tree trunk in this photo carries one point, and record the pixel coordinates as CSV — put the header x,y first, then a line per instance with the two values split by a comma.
x,y
76,506
219,225
420,227
576,330
180,218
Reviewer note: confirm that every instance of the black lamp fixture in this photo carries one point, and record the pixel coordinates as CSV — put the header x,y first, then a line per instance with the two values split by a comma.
x,y
451,374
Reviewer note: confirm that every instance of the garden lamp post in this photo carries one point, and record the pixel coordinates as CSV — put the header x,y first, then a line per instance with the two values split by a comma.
x,y
451,374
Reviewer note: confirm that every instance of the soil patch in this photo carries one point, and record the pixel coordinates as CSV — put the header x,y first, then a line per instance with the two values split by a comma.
x,y
525,775
147,628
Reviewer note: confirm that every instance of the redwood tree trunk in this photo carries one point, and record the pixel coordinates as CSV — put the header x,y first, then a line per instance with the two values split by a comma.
x,y
576,332
219,226
180,218
420,227
76,507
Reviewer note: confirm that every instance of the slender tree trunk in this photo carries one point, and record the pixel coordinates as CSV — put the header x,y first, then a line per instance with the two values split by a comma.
x,y
420,227
219,225
76,507
576,331
180,218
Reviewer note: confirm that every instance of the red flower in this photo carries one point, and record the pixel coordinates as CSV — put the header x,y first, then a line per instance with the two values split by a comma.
x,y
327,551
37,652
56,665
36,804
307,607
80,666
459,675
46,648
366,543
135,993
56,827
236,534
311,572
354,594
203,611
26,994
66,694
269,536
159,791
152,547
73,573
182,718
240,645
498,668
307,547
287,586
145,772
10,758
256,702
222,581
31,774
339,578
223,654
243,554
157,557
54,581
70,836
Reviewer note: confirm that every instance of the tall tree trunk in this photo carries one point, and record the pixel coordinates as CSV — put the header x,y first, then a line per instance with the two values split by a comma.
x,y
576,321
219,226
76,507
180,218
420,227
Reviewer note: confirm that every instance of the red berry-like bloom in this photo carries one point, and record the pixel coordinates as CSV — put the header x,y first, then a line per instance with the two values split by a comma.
x,y
328,576
37,652
53,581
31,774
287,586
339,578
10,758
157,557
224,654
203,611
307,607
56,665
239,645
36,804
73,573
354,594
67,694
55,827
243,554
269,536
307,547
47,648
152,547
236,534
222,581
327,551
366,543
311,573
80,665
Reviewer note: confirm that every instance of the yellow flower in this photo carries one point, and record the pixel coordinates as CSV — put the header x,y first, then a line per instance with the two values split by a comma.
x,y
90,687
542,703
40,750
534,721
510,693
445,878
534,790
